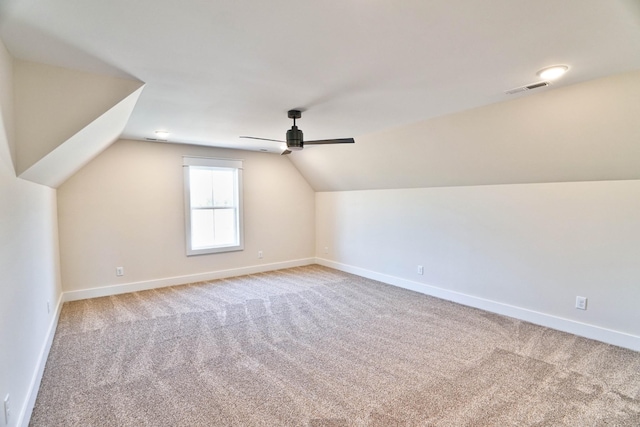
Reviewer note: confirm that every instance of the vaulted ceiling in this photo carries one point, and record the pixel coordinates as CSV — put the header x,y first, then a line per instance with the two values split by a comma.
x,y
215,70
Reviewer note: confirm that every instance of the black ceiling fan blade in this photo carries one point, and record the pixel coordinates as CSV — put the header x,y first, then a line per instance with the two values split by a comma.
x,y
331,141
261,139
285,152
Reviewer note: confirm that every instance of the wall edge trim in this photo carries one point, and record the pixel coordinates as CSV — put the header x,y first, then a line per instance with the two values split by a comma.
x,y
598,333
24,416
144,285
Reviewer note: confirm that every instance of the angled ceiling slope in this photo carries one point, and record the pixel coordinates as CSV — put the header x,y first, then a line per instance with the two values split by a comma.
x,y
64,118
7,146
583,132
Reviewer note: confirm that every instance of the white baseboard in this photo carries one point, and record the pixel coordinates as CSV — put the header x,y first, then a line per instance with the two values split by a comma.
x,y
180,280
34,386
598,333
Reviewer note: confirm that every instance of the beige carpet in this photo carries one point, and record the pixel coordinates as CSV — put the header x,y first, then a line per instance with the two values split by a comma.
x,y
313,346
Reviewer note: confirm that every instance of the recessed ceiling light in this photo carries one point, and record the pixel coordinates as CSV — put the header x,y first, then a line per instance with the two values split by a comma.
x,y
553,72
162,134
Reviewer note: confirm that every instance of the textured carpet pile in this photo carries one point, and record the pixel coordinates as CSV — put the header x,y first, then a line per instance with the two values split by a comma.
x,y
312,346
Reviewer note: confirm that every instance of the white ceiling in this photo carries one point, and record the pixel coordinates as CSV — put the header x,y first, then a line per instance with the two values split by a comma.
x,y
215,70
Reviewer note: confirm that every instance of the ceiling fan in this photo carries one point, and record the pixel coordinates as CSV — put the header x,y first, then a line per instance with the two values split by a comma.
x,y
295,141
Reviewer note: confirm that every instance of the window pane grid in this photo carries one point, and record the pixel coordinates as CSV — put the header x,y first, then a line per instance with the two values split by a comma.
x,y
212,201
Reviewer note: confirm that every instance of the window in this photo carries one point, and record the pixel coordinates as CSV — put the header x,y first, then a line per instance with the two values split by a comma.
x,y
213,205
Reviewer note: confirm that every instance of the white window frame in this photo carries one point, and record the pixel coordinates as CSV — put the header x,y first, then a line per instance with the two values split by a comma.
x,y
187,162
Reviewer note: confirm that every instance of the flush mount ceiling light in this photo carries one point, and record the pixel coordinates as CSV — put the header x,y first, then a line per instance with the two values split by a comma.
x,y
553,72
162,134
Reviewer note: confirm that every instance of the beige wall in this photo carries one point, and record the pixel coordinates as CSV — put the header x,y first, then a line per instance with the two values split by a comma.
x,y
531,246
125,208
29,268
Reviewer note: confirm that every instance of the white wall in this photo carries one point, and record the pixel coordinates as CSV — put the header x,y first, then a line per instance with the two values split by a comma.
x,y
29,269
532,246
125,208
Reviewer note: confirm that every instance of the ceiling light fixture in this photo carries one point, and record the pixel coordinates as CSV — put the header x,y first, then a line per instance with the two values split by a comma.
x,y
553,72
162,134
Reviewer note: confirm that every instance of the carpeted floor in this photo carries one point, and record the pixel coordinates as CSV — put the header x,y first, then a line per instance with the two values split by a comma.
x,y
312,346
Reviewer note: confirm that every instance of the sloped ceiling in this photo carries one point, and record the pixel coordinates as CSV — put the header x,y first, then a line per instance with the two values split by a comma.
x,y
585,132
7,140
53,103
64,118
217,70
67,158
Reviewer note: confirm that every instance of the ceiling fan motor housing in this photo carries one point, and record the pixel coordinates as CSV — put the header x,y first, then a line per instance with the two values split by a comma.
x,y
294,138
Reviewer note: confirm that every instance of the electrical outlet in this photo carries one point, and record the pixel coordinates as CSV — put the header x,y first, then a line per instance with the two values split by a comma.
x,y
119,271
326,250
260,254
48,307
420,270
7,409
581,303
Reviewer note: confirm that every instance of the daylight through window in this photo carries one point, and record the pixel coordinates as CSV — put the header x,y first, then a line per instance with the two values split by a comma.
x,y
213,205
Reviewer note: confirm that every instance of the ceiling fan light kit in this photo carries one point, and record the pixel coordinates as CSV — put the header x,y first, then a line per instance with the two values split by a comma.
x,y
295,140
294,135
